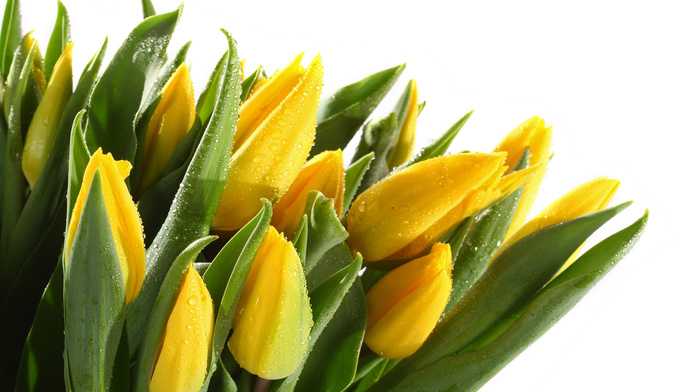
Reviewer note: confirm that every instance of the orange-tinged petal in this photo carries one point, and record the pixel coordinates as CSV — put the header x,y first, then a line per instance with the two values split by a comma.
x,y
273,318
170,123
405,144
406,304
323,173
42,130
396,211
182,361
123,218
266,162
586,198
532,134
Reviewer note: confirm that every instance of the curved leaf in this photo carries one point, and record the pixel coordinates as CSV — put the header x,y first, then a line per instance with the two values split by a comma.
x,y
341,114
197,198
123,86
10,35
58,41
353,176
379,137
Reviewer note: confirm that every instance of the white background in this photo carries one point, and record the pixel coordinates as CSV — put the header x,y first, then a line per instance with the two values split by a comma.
x,y
618,80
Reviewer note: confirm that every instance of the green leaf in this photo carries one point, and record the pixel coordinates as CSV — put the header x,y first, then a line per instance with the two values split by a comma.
x,y
78,158
510,281
227,275
207,99
250,82
147,8
58,41
221,381
533,320
10,35
165,73
121,89
197,198
94,297
378,136
120,381
487,234
325,230
353,177
301,238
331,358
440,145
41,366
160,313
15,183
341,114
23,297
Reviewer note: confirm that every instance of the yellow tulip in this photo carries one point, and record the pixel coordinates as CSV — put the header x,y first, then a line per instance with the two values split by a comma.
x,y
534,135
42,130
323,173
586,198
405,144
123,218
402,215
273,319
170,123
184,353
274,135
406,304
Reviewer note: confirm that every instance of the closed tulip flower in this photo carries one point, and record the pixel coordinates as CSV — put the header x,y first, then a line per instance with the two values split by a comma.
x,y
42,130
405,144
406,304
586,198
274,135
123,218
402,215
182,361
273,319
532,134
323,173
170,123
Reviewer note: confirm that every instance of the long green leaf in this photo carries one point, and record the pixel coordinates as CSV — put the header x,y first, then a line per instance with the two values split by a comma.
x,y
15,183
511,280
440,145
147,8
58,41
250,82
378,136
195,203
227,275
341,114
166,72
353,176
470,370
78,158
10,35
207,99
482,241
324,229
158,318
94,297
125,84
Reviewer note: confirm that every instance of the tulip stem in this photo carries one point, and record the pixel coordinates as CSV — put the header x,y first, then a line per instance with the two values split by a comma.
x,y
262,385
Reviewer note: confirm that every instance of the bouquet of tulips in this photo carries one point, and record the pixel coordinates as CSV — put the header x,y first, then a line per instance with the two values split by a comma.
x,y
153,241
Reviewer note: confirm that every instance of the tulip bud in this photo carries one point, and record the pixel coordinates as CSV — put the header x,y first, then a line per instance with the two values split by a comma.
x,y
534,135
586,198
123,218
170,123
42,130
324,173
402,215
273,318
405,144
406,304
184,353
274,136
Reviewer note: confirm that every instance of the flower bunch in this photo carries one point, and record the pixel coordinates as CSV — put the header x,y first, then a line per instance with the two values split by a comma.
x,y
154,240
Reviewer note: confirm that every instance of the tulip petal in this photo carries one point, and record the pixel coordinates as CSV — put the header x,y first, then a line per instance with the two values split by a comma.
x,y
405,305
266,162
182,361
396,211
